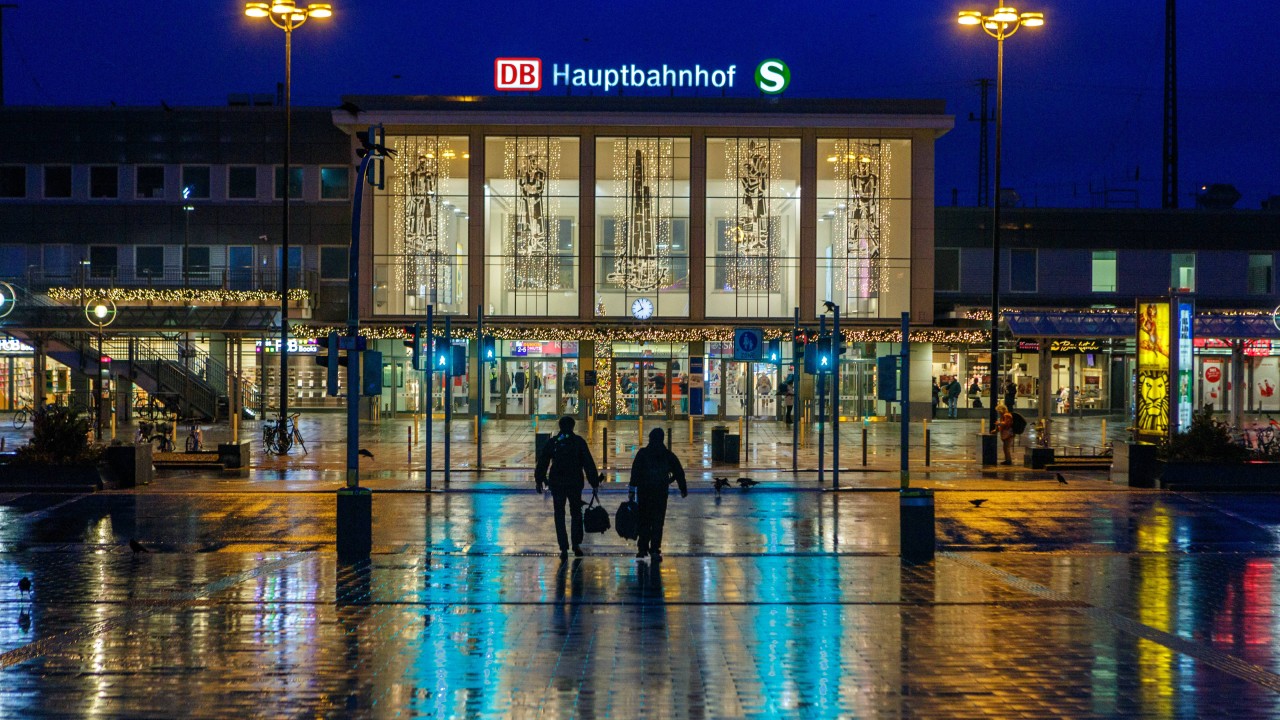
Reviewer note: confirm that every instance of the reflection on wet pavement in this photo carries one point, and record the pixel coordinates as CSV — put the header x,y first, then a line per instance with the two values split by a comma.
x,y
1063,603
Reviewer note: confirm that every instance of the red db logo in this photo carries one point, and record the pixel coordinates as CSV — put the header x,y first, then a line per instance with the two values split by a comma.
x,y
517,74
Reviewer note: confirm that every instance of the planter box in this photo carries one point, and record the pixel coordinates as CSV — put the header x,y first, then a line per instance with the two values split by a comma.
x,y
71,478
1135,465
1037,458
1221,476
234,455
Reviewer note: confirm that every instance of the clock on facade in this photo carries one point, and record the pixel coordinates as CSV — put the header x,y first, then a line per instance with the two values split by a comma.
x,y
642,309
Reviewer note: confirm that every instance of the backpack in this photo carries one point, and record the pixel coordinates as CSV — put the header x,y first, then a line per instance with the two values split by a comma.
x,y
1019,424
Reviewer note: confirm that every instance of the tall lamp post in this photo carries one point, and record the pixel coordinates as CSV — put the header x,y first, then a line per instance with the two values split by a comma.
x,y
1000,24
286,15
101,312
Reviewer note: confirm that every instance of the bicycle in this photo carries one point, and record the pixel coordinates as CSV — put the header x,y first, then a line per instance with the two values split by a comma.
x,y
278,437
149,432
195,438
21,416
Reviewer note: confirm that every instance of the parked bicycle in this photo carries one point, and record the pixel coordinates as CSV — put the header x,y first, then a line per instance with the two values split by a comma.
x,y
195,437
278,437
21,416
149,432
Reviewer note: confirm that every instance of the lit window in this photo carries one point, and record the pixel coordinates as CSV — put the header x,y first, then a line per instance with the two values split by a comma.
x,y
1104,271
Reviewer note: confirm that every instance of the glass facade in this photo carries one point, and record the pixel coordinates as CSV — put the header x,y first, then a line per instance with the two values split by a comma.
x,y
864,226
642,227
420,227
531,225
753,227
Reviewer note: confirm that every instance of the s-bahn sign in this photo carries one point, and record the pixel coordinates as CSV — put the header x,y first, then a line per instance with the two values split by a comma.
x,y
527,74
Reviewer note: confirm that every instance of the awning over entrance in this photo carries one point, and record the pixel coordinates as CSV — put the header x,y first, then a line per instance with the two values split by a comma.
x,y
1049,324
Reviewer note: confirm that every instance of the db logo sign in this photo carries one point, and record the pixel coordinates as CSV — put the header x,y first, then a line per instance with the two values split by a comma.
x,y
1212,374
517,74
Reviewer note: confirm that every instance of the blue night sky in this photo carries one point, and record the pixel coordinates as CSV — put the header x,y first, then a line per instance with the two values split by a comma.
x,y
1083,94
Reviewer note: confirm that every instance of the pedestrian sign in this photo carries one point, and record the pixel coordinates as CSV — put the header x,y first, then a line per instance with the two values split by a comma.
x,y
748,344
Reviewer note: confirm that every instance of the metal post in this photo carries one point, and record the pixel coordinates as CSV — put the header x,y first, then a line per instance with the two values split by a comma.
x,y
836,342
904,394
481,364
430,378
448,394
821,379
926,443
353,330
864,442
284,262
995,238
795,392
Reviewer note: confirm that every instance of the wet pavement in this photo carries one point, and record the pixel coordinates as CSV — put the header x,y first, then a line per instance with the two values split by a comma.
x,y
1083,600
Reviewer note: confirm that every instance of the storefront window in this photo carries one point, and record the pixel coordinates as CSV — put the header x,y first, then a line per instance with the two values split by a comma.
x,y
753,214
642,227
420,227
864,226
531,221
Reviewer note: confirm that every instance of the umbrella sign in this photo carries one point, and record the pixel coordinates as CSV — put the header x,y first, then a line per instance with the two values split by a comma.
x,y
748,344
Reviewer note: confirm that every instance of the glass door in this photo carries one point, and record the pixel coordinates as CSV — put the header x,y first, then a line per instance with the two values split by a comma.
x,y
515,385
857,388
569,387
764,382
736,379
713,396
544,387
655,391
626,388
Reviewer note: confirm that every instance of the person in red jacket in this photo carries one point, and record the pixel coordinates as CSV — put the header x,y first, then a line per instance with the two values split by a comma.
x,y
1004,428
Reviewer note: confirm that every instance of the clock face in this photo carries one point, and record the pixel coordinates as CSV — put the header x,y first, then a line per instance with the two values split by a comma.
x,y
642,309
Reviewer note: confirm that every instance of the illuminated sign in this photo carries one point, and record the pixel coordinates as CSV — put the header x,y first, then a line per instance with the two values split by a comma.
x,y
1151,405
1184,367
772,76
296,347
13,346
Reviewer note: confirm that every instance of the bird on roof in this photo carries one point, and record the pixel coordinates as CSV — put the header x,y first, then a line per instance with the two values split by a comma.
x,y
830,306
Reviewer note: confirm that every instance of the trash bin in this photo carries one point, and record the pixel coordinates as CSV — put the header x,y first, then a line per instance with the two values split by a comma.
x,y
732,446
717,442
916,525
540,441
987,449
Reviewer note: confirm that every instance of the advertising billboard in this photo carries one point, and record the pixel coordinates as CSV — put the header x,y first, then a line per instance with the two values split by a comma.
x,y
1151,401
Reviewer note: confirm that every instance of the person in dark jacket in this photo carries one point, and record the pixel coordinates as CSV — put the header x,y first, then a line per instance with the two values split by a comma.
x,y
571,467
652,471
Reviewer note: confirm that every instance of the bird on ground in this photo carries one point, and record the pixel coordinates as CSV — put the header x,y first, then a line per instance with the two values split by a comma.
x,y
830,306
137,547
350,107
978,502
1061,479
24,585
747,483
721,483
364,453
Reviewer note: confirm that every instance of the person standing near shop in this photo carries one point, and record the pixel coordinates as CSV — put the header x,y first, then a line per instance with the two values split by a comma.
x,y
788,394
1004,428
936,394
975,394
571,467
652,473
953,396
1010,392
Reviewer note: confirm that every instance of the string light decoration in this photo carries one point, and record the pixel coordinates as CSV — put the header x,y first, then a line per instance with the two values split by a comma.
x,y
532,164
752,168
423,222
860,224
643,186
177,296
603,336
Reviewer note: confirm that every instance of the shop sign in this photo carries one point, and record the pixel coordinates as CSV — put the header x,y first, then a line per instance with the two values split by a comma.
x,y
1028,346
1185,366
14,346
296,347
1252,348
525,74
1151,405
1062,347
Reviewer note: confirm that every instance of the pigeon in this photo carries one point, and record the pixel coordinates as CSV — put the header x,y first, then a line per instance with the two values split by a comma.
x,y
721,483
978,502
1061,479
364,453
24,585
830,306
747,483
350,107
137,547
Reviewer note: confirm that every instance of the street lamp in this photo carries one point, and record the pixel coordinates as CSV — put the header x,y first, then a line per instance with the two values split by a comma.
x,y
100,312
187,207
286,15
1000,24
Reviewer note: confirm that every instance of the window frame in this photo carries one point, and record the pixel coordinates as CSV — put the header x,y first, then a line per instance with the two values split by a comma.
x,y
335,198
1271,273
23,184
1035,277
276,170
139,272
183,184
1094,259
44,182
137,178
959,280
114,271
1174,285
95,196
231,171
344,251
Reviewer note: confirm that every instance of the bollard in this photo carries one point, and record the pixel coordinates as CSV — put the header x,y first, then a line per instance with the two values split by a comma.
x,y
409,435
926,443
690,429
640,425
916,525
113,426
982,430
1,444
604,446
1104,433
864,444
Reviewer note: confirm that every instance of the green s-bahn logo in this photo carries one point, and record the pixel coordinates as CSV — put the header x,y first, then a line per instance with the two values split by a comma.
x,y
772,76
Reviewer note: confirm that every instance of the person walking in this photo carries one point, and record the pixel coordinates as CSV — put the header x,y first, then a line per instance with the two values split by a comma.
x,y
788,394
570,464
1004,428
652,472
936,393
953,396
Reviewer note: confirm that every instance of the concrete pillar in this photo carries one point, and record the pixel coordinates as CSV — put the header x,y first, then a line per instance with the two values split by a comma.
x,y
587,362
921,358
1238,387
